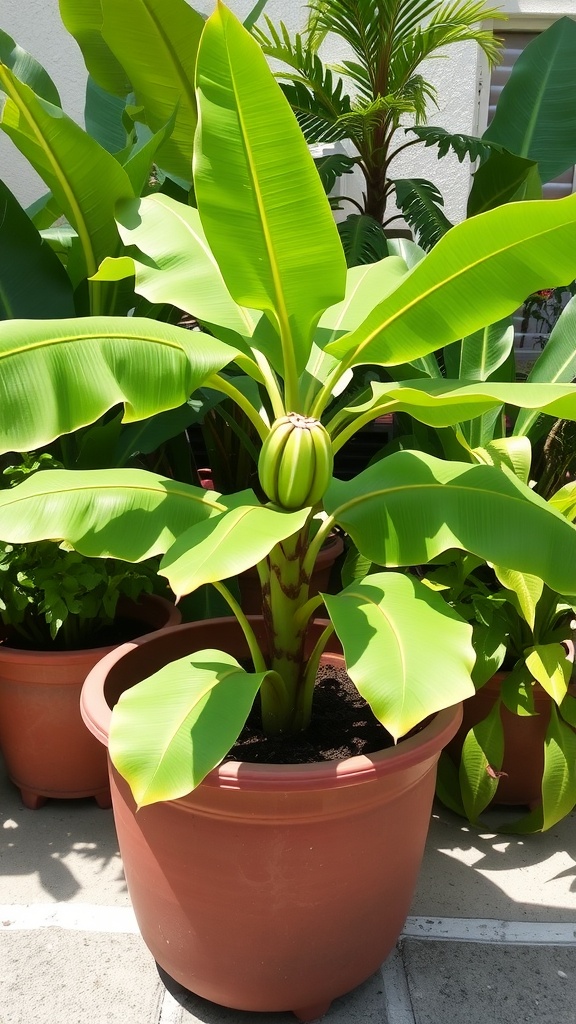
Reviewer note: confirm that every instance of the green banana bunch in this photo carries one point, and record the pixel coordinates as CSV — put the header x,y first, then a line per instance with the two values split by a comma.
x,y
296,461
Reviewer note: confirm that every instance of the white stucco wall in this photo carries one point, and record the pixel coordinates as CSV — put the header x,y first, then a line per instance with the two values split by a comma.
x,y
36,25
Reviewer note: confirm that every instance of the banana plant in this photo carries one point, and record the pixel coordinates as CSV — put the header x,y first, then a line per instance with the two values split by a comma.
x,y
284,328
517,621
523,627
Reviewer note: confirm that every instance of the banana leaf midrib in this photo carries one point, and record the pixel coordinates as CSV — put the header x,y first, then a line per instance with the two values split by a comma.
x,y
12,497
108,335
385,491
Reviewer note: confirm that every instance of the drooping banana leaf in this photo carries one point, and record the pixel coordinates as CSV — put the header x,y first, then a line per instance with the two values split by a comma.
x,y
443,403
419,677
26,69
147,366
181,269
410,507
121,513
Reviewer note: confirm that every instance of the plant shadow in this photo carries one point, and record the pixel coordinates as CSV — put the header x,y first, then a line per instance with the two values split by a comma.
x,y
62,851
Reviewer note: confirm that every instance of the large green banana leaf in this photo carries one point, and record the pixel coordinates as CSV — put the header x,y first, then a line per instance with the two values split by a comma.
x,y
411,507
121,513
479,355
156,42
362,285
83,20
535,117
504,178
182,270
376,620
27,69
146,365
479,272
272,233
189,714
213,551
85,180
33,282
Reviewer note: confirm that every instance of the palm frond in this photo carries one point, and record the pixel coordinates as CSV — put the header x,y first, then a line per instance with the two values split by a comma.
x,y
333,166
462,145
357,22
417,93
317,98
363,240
422,206
452,23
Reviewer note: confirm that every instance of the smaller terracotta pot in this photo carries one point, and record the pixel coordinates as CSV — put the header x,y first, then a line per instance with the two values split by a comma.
x,y
48,750
523,764
249,582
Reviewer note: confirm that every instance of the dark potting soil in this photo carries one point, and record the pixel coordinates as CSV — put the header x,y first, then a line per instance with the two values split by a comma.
x,y
342,725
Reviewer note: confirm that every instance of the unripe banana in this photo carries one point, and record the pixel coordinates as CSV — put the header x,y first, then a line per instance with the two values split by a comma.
x,y
296,461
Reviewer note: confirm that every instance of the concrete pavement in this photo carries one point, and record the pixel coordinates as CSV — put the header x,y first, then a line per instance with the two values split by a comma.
x,y
491,938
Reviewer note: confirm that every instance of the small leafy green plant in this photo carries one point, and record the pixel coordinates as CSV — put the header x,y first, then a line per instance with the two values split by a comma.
x,y
55,599
523,627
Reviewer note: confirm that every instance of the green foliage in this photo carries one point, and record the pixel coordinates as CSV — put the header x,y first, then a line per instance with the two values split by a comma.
x,y
524,627
363,240
421,203
383,82
51,598
332,166
285,330
463,146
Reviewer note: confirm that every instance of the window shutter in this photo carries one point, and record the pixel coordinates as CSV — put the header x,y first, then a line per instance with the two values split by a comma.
x,y
531,332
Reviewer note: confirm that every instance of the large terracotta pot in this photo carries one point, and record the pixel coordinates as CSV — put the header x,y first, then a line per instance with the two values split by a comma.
x,y
249,582
271,887
47,749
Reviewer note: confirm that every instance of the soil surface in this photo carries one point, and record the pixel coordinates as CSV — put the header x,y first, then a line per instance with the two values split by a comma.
x,y
342,726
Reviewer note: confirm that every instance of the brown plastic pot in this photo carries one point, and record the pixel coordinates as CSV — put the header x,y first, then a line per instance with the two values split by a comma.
x,y
523,763
271,887
47,749
249,582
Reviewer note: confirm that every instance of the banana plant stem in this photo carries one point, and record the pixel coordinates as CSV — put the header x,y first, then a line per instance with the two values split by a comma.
x,y
359,421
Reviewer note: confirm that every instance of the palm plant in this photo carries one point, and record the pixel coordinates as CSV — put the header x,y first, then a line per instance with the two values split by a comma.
x,y
389,40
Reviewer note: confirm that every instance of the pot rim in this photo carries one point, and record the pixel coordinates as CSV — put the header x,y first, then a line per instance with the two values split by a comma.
x,y
426,743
